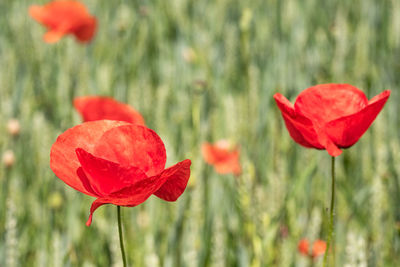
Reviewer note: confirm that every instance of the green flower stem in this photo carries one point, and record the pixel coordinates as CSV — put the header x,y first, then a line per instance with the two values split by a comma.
x,y
332,214
121,240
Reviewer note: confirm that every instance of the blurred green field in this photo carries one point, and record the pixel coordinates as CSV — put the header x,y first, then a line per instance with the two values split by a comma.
x,y
202,71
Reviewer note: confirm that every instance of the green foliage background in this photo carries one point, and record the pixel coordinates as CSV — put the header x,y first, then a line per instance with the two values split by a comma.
x,y
240,54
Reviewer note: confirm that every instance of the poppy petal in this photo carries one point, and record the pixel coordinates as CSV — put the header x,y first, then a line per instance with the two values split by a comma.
x,y
101,108
208,153
346,131
130,196
327,143
133,145
106,177
176,181
87,31
318,249
300,128
66,17
86,183
325,102
303,247
96,204
213,154
63,159
36,12
229,165
53,36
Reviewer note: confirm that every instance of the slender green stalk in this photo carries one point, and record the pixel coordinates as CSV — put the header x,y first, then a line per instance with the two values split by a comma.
x,y
121,240
332,214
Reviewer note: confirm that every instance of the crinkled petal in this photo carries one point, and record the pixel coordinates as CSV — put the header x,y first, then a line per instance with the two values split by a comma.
x,y
133,145
63,159
346,131
132,195
106,177
99,108
177,177
325,102
300,128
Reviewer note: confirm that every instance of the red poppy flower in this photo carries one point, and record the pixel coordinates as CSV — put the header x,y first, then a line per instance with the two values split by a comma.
x,y
302,247
94,108
318,248
330,116
222,157
65,17
118,163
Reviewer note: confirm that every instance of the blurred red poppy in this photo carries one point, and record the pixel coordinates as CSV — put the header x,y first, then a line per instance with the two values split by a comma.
x,y
94,108
302,247
118,163
65,17
318,248
224,158
330,116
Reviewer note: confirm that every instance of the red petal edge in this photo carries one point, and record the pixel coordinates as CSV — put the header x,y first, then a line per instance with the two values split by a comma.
x,y
96,204
130,196
300,128
99,108
346,131
177,177
63,159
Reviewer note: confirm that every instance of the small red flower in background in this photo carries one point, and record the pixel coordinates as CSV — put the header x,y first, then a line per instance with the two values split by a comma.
x,y
65,17
303,247
318,248
118,163
94,108
224,158
330,116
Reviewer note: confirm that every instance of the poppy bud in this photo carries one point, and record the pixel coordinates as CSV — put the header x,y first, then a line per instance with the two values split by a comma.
x,y
13,127
189,55
55,200
8,158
